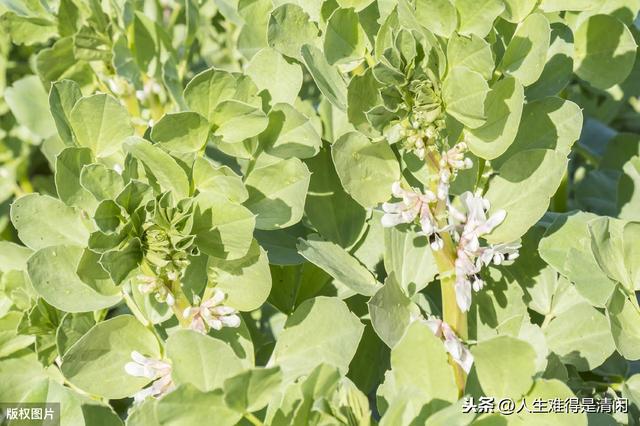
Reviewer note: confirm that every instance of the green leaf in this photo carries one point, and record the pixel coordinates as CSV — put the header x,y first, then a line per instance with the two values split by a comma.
x,y
96,362
516,10
614,244
252,390
277,193
281,244
200,360
505,366
69,165
62,97
338,263
58,62
220,180
624,319
526,53
327,78
321,330
27,30
44,221
27,100
245,281
336,216
290,134
628,198
390,311
162,166
209,88
187,406
223,229
567,247
580,336
234,121
503,107
574,5
253,34
99,122
477,16
266,64
605,51
21,376
546,390
358,5
464,93
181,132
71,329
425,380
438,16
558,69
293,284
54,274
13,256
366,169
289,29
471,52
409,258
558,125
362,95
344,38
523,187
103,183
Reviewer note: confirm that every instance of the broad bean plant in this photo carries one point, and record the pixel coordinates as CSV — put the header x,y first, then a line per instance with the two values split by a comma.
x,y
308,212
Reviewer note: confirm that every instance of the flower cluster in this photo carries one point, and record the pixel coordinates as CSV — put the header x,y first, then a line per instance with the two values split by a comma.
x,y
471,256
166,244
453,345
157,370
213,313
451,162
150,284
466,227
413,206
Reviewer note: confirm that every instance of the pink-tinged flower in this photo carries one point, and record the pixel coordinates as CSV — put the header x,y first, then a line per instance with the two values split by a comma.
x,y
157,370
414,206
212,313
451,162
453,345
454,158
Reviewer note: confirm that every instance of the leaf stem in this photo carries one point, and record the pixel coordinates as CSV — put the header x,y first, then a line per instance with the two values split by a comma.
x,y
133,307
253,419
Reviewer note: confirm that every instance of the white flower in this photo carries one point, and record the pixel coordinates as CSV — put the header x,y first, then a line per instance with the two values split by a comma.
x,y
151,284
213,313
470,256
455,159
499,253
454,346
463,294
412,205
154,369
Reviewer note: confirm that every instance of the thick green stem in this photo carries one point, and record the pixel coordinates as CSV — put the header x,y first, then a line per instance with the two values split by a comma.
x,y
445,260
451,313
